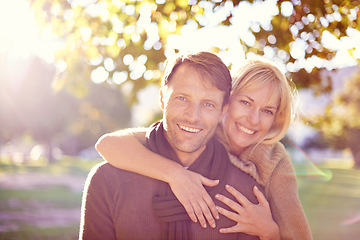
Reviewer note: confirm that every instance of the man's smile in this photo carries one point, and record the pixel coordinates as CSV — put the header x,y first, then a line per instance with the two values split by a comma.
x,y
189,129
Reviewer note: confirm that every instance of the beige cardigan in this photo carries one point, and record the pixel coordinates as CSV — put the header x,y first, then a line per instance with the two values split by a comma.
x,y
271,167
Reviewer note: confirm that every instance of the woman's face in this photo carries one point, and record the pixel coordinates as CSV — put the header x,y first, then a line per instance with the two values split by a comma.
x,y
250,115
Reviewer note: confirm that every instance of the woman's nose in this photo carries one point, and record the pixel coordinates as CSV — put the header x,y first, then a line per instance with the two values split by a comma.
x,y
254,117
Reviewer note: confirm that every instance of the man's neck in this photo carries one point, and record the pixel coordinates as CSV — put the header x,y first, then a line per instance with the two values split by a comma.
x,y
188,158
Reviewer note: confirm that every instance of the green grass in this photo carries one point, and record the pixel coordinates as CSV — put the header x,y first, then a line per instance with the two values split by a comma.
x,y
30,233
57,196
15,201
68,165
328,203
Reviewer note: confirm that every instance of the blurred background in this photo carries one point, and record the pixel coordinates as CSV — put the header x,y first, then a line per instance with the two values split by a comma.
x,y
72,70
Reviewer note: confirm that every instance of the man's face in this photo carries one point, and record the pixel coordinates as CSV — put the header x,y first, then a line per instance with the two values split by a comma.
x,y
192,109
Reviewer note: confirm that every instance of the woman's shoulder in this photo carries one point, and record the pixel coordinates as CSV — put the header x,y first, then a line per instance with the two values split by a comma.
x,y
261,160
264,154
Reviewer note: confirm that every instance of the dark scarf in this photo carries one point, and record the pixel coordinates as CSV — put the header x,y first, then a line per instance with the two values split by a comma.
x,y
212,163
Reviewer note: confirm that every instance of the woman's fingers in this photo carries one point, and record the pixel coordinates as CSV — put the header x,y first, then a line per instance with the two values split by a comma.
x,y
229,214
200,207
233,205
208,182
199,213
197,202
189,210
260,197
233,229
252,219
239,196
208,200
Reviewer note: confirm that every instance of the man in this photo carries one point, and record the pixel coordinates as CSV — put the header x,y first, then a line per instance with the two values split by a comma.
x,y
123,205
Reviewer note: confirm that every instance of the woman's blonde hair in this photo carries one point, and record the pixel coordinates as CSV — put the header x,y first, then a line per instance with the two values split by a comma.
x,y
258,73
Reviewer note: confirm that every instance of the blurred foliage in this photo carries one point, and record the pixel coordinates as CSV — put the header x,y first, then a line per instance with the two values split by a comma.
x,y
340,124
122,45
307,24
31,106
128,38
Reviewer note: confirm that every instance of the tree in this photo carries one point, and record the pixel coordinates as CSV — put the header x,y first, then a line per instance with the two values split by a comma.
x,y
340,124
125,42
29,105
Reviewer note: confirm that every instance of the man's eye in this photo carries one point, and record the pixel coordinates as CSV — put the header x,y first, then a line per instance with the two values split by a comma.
x,y
181,98
209,105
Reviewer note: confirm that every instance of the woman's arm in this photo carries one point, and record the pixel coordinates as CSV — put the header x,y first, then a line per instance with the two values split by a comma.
x,y
285,204
276,173
123,150
253,219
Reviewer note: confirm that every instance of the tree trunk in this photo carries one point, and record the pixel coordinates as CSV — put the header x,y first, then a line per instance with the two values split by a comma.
x,y
50,153
355,151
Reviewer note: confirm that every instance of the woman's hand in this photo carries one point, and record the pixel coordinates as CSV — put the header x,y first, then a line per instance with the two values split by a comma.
x,y
189,190
252,219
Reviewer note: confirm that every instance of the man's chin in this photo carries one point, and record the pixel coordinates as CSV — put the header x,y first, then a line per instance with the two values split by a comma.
x,y
190,148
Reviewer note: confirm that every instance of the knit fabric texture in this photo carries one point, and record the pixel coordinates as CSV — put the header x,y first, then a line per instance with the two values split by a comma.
x,y
271,167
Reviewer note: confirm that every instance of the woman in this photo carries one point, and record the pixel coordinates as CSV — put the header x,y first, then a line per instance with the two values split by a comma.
x,y
256,118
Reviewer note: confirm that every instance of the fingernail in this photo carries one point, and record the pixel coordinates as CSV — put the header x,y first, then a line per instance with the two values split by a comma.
x,y
256,187
217,196
213,225
227,186
204,226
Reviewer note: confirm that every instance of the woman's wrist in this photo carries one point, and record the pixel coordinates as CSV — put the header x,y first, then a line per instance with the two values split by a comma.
x,y
172,173
273,234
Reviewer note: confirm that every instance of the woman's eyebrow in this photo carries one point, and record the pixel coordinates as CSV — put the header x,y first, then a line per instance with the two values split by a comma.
x,y
252,100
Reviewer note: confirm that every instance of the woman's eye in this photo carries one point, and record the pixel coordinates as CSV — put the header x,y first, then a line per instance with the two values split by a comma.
x,y
269,112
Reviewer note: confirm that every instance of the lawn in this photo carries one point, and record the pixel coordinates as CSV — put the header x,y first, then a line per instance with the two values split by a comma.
x,y
332,205
331,202
48,205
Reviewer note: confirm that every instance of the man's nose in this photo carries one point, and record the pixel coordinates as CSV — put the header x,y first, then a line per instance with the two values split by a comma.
x,y
193,112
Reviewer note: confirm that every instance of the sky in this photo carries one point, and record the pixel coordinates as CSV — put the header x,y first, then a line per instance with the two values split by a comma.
x,y
19,35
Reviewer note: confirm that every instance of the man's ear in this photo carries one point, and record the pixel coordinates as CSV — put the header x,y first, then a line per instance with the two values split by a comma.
x,y
161,99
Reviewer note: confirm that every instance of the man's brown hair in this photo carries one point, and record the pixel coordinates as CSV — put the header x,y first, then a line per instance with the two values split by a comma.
x,y
208,64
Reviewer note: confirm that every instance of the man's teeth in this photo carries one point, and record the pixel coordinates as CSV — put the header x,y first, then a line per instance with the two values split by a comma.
x,y
189,129
245,130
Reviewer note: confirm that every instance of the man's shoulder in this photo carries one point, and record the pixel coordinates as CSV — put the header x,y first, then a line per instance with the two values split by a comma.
x,y
105,172
106,169
102,167
243,181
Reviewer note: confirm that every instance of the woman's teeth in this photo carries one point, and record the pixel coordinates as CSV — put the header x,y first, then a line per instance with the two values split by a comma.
x,y
244,129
